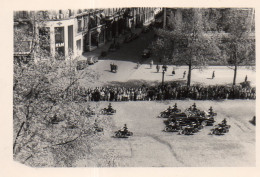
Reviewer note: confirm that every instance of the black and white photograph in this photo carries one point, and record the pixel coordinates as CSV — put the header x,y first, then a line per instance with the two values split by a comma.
x,y
134,87
112,86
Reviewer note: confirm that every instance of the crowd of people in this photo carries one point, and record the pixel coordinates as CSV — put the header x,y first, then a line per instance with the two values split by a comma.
x,y
165,92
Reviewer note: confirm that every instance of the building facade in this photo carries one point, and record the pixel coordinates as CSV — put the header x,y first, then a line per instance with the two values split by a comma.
x,y
63,33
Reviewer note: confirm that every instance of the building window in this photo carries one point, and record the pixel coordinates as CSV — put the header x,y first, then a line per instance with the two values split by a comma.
x,y
59,42
70,13
86,21
78,43
79,25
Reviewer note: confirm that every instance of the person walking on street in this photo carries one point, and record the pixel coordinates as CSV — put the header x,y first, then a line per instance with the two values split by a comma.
x,y
151,64
184,74
246,78
157,68
137,66
213,75
173,72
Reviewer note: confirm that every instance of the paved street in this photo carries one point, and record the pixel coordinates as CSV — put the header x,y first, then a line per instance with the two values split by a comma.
x,y
130,53
151,147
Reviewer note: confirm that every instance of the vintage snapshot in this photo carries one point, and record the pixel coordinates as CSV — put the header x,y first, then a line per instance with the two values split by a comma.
x,y
134,87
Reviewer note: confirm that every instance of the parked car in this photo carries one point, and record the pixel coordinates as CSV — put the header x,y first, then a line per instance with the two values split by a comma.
x,y
92,60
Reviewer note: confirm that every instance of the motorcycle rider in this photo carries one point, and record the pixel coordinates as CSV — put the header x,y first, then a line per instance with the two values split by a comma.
x,y
224,122
124,129
109,109
194,107
175,108
210,110
169,109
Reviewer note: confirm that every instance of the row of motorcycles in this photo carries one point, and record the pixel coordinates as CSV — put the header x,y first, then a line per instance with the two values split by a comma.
x,y
191,121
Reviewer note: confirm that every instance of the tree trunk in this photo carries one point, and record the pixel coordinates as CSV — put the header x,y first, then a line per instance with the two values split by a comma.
x,y
164,18
189,76
235,70
235,75
18,134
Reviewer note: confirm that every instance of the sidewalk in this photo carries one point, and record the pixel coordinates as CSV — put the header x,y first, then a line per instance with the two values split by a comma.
x,y
106,46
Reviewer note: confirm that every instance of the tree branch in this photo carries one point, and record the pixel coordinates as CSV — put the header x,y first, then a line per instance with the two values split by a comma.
x,y
17,135
67,142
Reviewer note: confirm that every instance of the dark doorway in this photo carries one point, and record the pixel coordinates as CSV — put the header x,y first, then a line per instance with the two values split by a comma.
x,y
70,38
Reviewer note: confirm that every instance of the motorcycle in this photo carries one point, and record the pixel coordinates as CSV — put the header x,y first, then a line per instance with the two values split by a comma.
x,y
188,130
107,111
173,127
123,134
220,129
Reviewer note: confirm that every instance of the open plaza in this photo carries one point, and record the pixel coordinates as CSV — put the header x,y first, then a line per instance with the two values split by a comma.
x,y
122,87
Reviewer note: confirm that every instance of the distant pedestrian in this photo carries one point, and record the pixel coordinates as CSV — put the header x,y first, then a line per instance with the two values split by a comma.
x,y
246,78
173,72
184,74
157,68
151,64
111,67
213,75
137,66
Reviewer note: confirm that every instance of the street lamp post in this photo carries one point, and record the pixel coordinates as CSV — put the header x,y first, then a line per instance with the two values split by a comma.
x,y
163,76
164,68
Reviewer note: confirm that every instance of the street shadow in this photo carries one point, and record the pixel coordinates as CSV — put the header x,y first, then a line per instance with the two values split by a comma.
x,y
108,70
119,137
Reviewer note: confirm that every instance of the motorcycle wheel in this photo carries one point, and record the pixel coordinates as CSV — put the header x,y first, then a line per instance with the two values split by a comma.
x,y
185,132
118,134
204,123
166,129
180,132
217,132
102,111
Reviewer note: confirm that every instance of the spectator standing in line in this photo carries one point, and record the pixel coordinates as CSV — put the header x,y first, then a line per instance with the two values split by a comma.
x,y
184,74
213,75
151,64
